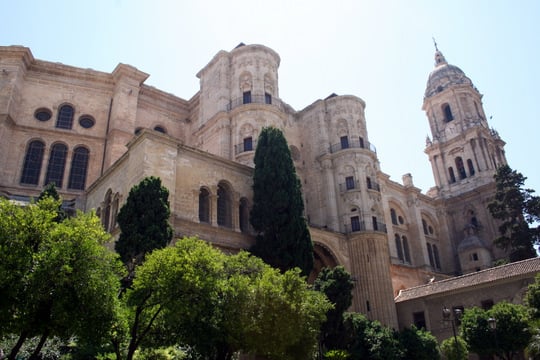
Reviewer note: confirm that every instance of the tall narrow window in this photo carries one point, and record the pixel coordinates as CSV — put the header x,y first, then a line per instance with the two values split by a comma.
x,y
425,227
344,142
393,216
451,174
355,223
246,98
65,117
267,98
368,182
398,247
460,168
204,206
447,113
430,255
106,219
361,139
32,163
375,223
436,257
114,210
224,202
406,253
248,144
470,166
349,182
79,166
57,164
243,215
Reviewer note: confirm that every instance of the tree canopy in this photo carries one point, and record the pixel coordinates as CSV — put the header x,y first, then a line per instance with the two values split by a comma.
x,y
283,238
144,221
518,210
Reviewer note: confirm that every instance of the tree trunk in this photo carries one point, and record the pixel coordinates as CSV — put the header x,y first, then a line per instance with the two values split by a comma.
x,y
22,338
37,350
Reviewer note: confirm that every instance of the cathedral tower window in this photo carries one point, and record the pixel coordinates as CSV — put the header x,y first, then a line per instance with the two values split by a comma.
x,y
32,163
349,182
393,216
344,140
430,255
355,223
248,144
57,163
79,166
470,166
65,117
246,97
447,111
460,168
436,257
224,203
425,226
399,249
361,142
204,206
451,174
267,98
406,253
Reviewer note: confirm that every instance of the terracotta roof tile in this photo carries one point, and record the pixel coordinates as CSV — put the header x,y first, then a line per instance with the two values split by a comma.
x,y
519,268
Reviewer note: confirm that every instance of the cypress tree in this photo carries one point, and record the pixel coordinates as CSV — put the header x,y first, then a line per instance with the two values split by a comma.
x,y
283,240
144,222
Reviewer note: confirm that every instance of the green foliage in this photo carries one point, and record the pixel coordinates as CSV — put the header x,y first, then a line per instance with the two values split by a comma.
x,y
419,344
144,221
532,298
337,285
517,209
336,355
50,191
56,278
512,332
283,239
168,353
454,348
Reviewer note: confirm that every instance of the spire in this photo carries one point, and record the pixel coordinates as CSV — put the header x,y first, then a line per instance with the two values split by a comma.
x,y
439,57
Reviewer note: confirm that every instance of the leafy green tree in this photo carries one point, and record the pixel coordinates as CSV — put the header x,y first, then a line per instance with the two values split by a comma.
x,y
56,279
144,223
337,285
517,209
419,344
50,191
532,297
510,337
283,238
455,348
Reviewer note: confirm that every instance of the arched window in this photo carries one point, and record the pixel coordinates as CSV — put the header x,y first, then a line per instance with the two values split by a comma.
x,y
470,166
224,203
79,165
106,219
204,206
57,164
32,163
447,111
160,129
460,168
114,211
406,253
393,216
430,255
243,215
425,226
451,174
65,117
398,247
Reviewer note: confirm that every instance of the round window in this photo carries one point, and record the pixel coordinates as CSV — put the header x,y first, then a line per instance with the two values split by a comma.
x,y
43,114
86,121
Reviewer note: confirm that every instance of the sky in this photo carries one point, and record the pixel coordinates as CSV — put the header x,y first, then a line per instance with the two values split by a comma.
x,y
381,51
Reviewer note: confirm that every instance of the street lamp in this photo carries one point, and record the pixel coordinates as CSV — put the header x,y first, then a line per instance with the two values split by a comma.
x,y
492,323
446,313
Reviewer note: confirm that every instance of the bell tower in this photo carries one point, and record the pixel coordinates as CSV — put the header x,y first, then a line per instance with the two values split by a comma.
x,y
464,152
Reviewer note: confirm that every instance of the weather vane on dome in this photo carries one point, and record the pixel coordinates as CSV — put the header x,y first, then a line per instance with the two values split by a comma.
x,y
435,43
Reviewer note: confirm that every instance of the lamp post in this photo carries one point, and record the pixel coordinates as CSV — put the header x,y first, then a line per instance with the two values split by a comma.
x,y
446,313
492,323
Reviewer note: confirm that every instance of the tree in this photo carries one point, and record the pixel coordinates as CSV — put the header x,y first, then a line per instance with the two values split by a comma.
x,y
454,348
419,344
517,209
50,191
511,335
337,285
57,278
144,223
283,238
532,297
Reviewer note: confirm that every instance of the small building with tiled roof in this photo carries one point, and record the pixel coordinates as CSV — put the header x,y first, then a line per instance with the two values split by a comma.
x,y
422,305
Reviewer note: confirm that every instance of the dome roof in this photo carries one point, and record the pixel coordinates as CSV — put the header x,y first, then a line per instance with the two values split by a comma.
x,y
471,240
444,75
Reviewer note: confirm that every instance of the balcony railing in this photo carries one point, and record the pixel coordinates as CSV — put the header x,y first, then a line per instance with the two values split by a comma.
x,y
372,185
244,147
361,227
349,186
352,144
254,99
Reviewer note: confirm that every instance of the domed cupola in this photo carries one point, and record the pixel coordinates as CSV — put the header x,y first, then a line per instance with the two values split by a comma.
x,y
444,75
474,255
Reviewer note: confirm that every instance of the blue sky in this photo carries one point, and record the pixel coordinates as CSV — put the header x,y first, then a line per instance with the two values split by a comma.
x,y
380,51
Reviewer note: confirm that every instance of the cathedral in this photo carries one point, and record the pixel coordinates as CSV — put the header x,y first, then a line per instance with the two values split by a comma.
x,y
97,134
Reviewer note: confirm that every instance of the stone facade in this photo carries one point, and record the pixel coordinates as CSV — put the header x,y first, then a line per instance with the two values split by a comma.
x,y
97,134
